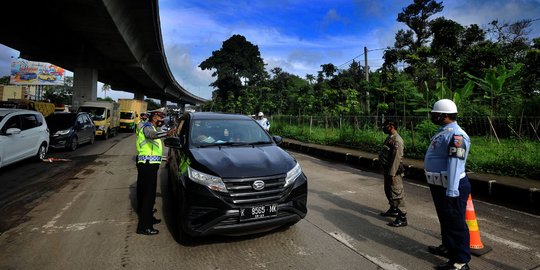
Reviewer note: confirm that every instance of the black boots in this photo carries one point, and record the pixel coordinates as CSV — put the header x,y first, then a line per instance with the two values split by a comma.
x,y
400,221
392,212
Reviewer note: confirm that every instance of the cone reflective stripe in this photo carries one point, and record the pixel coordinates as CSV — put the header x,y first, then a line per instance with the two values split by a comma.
x,y
476,245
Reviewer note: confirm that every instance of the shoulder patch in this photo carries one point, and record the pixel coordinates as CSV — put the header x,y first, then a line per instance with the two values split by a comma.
x,y
456,147
458,140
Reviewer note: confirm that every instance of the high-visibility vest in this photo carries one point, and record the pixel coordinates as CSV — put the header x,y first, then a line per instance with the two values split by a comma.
x,y
139,129
148,149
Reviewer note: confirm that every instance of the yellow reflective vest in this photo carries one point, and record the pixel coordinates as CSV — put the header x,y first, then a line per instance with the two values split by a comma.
x,y
148,149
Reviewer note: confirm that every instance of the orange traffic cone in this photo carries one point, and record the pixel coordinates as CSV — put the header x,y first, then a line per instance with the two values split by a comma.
x,y
477,248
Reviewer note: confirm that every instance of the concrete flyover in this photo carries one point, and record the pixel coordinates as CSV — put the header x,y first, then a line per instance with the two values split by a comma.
x,y
117,42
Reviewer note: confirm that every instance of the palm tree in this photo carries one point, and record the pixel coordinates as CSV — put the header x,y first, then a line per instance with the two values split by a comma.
x,y
310,78
105,88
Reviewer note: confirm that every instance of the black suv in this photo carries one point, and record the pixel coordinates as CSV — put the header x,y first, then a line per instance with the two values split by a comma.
x,y
229,176
68,130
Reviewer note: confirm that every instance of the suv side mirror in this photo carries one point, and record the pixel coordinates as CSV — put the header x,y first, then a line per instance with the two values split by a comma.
x,y
277,139
173,142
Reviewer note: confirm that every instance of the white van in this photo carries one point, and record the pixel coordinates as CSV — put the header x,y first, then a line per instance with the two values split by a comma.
x,y
23,134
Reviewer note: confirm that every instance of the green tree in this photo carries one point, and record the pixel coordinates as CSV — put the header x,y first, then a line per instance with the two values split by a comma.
x,y
493,85
60,94
416,17
4,80
237,64
105,88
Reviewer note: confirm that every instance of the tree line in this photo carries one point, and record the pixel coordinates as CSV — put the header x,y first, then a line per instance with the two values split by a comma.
x,y
491,71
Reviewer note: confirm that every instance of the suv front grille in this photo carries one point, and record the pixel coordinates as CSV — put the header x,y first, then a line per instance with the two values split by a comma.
x,y
241,190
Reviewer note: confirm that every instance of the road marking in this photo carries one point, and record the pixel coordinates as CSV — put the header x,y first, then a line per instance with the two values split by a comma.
x,y
78,226
345,192
506,242
53,221
383,262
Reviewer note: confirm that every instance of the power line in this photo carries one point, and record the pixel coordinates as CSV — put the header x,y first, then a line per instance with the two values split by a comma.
x,y
349,61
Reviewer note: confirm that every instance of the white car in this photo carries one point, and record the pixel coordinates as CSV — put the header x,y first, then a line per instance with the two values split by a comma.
x,y
23,134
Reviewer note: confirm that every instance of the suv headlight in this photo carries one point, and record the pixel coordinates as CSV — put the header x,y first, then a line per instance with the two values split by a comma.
x,y
61,132
101,127
293,174
213,182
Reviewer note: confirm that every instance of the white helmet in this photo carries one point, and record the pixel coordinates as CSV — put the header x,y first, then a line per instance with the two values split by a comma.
x,y
261,114
444,106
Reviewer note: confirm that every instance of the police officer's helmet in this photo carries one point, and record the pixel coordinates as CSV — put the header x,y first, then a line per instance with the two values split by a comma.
x,y
444,106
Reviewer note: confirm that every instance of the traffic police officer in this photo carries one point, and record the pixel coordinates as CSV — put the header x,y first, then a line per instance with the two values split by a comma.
x,y
444,166
390,157
142,120
148,161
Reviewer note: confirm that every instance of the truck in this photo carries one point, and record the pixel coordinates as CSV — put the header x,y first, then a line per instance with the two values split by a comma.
x,y
105,115
130,112
43,107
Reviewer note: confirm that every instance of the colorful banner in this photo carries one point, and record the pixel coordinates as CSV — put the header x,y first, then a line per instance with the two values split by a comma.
x,y
25,72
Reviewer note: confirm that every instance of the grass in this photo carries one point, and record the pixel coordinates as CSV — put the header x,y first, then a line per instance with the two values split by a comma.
x,y
512,157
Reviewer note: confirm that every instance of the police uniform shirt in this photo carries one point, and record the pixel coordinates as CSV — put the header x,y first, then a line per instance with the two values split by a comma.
x,y
392,154
448,153
264,123
151,133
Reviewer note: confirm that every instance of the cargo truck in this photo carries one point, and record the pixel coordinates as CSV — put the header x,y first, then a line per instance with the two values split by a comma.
x,y
106,117
130,111
45,108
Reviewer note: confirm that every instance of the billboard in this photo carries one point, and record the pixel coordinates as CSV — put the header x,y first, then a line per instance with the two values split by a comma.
x,y
35,73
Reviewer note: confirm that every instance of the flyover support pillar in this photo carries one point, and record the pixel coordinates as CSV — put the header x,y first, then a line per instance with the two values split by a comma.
x,y
138,96
84,86
163,103
182,107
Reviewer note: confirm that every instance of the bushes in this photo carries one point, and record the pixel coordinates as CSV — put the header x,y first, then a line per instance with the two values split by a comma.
x,y
511,157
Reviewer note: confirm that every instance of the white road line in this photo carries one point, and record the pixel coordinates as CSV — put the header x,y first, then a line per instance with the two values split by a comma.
x,y
383,262
506,242
79,226
53,221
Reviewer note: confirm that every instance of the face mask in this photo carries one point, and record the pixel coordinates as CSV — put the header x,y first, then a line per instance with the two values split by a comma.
x,y
437,119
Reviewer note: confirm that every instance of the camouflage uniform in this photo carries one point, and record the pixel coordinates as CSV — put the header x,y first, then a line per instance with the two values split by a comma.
x,y
390,158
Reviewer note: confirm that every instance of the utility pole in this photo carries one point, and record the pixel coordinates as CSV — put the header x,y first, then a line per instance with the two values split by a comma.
x,y
366,69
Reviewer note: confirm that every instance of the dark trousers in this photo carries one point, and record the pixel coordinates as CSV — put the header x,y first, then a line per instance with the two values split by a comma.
x,y
146,193
451,213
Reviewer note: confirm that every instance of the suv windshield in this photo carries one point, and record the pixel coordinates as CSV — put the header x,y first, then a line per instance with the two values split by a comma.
x,y
60,121
227,132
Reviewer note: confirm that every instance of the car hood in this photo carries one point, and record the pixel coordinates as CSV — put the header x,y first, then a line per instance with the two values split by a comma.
x,y
244,161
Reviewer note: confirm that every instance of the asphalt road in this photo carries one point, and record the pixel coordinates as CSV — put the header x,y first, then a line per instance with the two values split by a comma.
x,y
79,215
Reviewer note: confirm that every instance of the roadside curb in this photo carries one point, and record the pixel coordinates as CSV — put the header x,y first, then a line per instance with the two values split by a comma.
x,y
513,192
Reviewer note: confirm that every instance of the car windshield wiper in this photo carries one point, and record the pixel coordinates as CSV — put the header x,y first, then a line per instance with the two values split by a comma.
x,y
207,145
260,142
232,144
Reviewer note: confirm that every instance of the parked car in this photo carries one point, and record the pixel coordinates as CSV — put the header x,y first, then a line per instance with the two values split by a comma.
x,y
23,134
228,176
69,130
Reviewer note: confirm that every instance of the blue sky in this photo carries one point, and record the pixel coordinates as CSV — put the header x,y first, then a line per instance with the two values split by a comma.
x,y
298,36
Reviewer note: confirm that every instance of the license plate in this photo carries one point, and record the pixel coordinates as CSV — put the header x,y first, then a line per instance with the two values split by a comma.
x,y
257,212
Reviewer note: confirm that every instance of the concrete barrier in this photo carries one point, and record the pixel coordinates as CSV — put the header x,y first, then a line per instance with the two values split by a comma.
x,y
518,193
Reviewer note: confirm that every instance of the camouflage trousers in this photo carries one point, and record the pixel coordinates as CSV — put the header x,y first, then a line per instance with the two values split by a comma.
x,y
393,189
